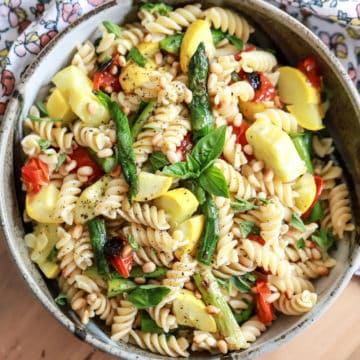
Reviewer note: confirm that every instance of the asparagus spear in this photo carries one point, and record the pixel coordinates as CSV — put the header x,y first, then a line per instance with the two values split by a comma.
x,y
225,321
142,118
171,44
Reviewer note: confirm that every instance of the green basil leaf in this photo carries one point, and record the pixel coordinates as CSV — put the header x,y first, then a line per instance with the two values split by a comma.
x,y
137,272
225,283
135,54
52,257
241,205
235,76
213,181
244,315
297,223
244,283
102,97
158,160
160,8
148,295
42,108
44,144
248,227
118,285
262,200
60,161
193,165
148,325
181,171
197,190
37,119
112,28
300,244
61,299
217,36
238,43
209,147
325,239
132,242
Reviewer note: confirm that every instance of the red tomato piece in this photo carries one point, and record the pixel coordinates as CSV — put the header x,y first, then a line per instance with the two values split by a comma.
x,y
266,92
311,69
83,158
104,79
35,174
256,238
123,265
240,132
263,308
319,182
237,56
185,147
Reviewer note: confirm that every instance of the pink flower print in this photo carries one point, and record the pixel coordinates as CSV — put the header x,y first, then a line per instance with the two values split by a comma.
x,y
30,44
358,10
70,12
46,37
96,3
13,12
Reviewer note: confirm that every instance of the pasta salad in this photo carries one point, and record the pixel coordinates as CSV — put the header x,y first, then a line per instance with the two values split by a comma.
x,y
180,182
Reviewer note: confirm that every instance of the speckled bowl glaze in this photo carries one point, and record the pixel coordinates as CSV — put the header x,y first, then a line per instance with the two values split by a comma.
x,y
294,41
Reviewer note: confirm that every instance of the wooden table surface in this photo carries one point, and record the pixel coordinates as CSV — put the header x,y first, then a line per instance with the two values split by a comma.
x,y
29,332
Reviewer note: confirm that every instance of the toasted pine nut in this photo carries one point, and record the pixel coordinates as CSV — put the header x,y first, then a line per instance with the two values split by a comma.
x,y
140,280
104,153
316,254
172,157
148,38
212,310
148,267
288,294
108,89
322,270
122,60
114,70
222,346
85,171
158,58
258,165
238,120
189,285
200,338
198,295
210,341
78,304
82,178
77,231
216,68
212,80
248,149
170,59
91,108
188,96
126,251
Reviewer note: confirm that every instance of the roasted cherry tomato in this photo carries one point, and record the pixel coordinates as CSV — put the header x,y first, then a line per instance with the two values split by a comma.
x,y
240,132
83,158
266,91
35,174
312,71
104,80
237,56
319,182
123,265
256,238
185,147
263,308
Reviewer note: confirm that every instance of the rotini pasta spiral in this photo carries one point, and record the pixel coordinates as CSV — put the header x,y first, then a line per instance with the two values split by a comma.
x,y
102,306
257,60
83,254
30,145
87,284
294,284
298,304
280,118
123,320
180,272
132,35
233,151
85,57
147,254
252,329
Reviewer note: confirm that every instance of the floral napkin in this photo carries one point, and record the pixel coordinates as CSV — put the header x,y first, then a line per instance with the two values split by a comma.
x,y
26,26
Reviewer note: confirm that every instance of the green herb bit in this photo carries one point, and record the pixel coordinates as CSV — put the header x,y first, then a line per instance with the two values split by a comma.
x,y
248,227
242,205
43,110
297,223
244,315
300,244
160,8
244,283
60,161
213,181
146,296
44,144
52,257
235,76
262,200
197,190
149,325
102,97
238,43
37,119
135,54
137,272
61,299
172,43
158,160
132,242
112,28
325,239
217,36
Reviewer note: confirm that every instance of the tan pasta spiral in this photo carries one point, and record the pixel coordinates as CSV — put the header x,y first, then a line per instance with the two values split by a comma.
x,y
147,254
87,284
162,344
102,306
257,60
295,284
83,254
131,35
280,118
85,57
180,272
123,320
322,147
233,151
252,329
228,21
30,145
298,305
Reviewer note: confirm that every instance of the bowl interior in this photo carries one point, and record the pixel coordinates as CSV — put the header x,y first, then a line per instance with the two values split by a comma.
x,y
274,30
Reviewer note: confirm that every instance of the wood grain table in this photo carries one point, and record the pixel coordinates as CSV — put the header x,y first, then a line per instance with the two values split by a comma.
x,y
29,332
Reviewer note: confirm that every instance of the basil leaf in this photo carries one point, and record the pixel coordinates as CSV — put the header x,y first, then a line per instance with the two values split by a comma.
x,y
102,97
300,244
60,161
132,242
118,285
197,190
37,119
42,108
213,181
158,160
135,54
137,272
241,205
52,257
262,200
217,36
180,170
61,299
148,325
297,223
160,8
325,240
112,28
244,282
44,144
209,147
225,283
148,295
238,43
249,227
244,315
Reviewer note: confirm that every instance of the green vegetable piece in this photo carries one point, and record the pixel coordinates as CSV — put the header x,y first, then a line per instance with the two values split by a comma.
x,y
235,76
238,43
297,223
37,119
97,232
197,190
302,144
135,54
124,147
202,119
149,325
112,28
248,227
60,161
181,170
137,272
213,181
52,257
92,272
103,97
132,242
317,213
217,36
160,8
225,283
300,244
244,315
325,239
146,296
242,205
226,323
118,286
210,235
142,118
171,44
244,283
44,144
158,160
42,108
107,164
61,299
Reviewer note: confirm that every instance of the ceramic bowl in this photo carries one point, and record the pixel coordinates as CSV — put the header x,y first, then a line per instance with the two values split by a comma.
x,y
291,39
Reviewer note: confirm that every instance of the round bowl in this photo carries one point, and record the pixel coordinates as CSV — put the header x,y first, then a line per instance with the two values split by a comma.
x,y
295,42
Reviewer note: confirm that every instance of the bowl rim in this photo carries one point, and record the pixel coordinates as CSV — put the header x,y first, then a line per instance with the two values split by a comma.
x,y
11,117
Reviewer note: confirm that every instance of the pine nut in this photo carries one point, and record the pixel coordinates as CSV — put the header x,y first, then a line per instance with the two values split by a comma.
x,y
172,157
212,80
258,165
92,108
216,68
126,251
188,96
200,338
114,70
248,149
108,89
212,310
85,171
322,270
140,280
148,267
82,179
77,231
288,294
170,59
316,254
238,120
122,61
148,38
104,153
158,58
222,346
189,285
210,341
198,295
309,244
78,304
